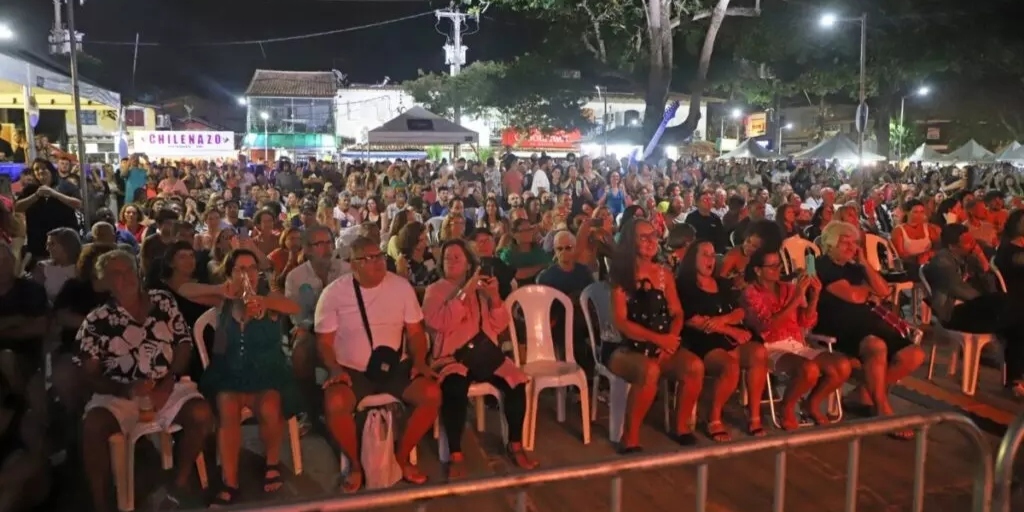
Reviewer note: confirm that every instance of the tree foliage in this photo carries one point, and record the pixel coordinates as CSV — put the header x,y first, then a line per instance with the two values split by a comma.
x,y
635,40
527,92
909,43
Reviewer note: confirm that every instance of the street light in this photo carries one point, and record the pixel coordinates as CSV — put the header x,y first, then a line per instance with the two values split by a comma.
x,y
242,101
733,114
787,126
6,33
922,91
829,20
266,137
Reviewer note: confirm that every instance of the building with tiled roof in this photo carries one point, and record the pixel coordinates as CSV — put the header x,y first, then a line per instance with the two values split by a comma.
x,y
290,113
269,83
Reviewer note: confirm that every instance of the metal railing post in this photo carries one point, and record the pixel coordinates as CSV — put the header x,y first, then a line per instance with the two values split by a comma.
x,y
1006,454
851,432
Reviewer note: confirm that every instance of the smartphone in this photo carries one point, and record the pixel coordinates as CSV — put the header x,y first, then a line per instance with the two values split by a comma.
x,y
487,267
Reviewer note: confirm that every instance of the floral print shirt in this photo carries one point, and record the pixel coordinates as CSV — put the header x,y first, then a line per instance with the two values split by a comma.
x,y
127,350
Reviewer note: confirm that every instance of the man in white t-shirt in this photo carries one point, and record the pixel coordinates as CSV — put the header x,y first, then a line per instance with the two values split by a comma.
x,y
392,310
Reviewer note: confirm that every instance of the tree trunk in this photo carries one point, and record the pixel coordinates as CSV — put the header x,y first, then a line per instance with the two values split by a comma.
x,y
700,81
659,72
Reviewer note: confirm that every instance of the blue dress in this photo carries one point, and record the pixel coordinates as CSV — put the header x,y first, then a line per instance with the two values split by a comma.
x,y
252,361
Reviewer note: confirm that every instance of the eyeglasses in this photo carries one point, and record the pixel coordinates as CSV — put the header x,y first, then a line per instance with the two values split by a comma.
x,y
322,243
369,258
772,266
647,237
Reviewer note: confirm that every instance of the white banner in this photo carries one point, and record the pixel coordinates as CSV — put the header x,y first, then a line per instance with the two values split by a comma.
x,y
194,143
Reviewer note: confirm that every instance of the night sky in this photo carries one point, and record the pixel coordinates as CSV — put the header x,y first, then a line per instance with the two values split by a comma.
x,y
179,65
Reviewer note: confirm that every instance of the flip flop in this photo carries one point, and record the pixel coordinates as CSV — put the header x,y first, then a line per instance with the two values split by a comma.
x,y
717,432
272,483
412,475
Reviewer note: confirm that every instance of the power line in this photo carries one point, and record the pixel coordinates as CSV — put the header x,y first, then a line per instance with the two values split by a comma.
x,y
275,39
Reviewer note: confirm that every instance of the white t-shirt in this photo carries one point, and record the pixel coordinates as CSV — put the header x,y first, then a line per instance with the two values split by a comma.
x,y
389,307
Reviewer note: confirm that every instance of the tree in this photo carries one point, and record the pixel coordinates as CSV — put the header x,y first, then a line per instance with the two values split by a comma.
x,y
527,92
635,39
908,44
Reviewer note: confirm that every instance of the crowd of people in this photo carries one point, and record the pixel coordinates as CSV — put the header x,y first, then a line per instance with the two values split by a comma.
x,y
391,278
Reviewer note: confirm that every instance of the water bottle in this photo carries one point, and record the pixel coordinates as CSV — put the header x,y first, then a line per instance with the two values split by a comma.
x,y
810,265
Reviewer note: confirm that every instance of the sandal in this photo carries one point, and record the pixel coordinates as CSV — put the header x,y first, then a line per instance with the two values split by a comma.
x,y
456,467
755,429
519,456
225,497
273,480
352,482
411,474
717,432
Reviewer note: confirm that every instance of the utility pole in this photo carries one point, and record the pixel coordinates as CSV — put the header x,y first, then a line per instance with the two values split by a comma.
x,y
66,41
455,53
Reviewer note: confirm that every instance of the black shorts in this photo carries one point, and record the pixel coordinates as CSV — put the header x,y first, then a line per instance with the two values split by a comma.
x,y
395,385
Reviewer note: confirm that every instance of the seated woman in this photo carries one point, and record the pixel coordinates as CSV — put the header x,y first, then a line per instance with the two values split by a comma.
x,y
247,367
886,352
822,216
462,309
915,240
646,311
780,312
759,233
714,332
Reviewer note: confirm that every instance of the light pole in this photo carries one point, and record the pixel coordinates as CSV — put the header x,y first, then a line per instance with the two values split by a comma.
x,y
6,33
921,91
830,20
778,147
266,137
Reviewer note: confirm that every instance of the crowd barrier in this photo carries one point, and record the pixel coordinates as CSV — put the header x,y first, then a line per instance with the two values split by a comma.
x,y
1005,457
851,432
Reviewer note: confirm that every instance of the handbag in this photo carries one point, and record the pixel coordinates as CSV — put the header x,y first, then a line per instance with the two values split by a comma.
x,y
481,356
383,360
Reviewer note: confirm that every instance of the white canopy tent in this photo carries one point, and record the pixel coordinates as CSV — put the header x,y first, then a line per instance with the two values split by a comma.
x,y
838,147
420,127
927,155
749,149
1006,154
971,152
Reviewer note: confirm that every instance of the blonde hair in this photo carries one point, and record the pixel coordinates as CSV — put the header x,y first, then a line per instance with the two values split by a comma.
x,y
834,231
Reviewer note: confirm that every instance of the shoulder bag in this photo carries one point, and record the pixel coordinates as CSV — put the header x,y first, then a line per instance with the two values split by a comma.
x,y
384,360
481,356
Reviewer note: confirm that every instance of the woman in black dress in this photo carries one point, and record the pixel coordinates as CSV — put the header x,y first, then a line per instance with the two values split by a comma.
x,y
714,332
845,312
646,310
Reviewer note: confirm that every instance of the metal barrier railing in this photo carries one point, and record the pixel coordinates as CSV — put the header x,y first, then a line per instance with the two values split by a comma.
x,y
852,432
1005,459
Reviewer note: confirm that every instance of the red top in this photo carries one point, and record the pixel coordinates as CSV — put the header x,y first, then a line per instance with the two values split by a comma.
x,y
761,304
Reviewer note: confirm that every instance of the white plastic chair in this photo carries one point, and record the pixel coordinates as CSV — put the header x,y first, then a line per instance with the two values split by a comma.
x,y
373,402
208,319
873,253
542,365
122,459
434,228
971,343
835,402
794,253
